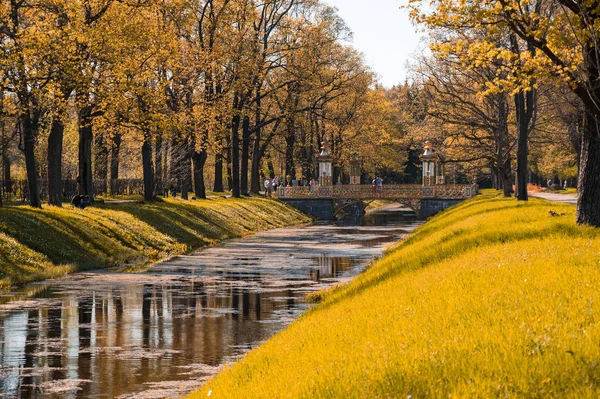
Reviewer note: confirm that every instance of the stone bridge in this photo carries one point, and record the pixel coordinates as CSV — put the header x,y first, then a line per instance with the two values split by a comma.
x,y
324,202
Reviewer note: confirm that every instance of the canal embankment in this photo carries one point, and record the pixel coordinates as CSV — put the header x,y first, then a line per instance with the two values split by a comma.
x,y
37,244
492,297
162,330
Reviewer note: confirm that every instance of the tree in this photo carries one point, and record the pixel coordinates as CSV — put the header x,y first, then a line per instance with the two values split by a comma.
x,y
565,34
26,71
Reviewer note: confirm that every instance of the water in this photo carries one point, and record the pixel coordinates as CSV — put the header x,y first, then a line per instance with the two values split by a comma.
x,y
161,332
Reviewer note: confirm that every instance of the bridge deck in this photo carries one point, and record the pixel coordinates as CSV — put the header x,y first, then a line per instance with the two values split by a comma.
x,y
391,192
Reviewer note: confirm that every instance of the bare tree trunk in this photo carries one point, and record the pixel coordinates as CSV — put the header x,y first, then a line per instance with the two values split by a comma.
x,y
229,171
148,168
503,147
290,141
30,128
524,103
8,185
200,158
86,136
55,147
114,161
271,168
101,161
588,203
507,180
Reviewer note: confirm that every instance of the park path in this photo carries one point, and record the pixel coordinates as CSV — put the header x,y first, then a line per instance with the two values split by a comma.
x,y
562,198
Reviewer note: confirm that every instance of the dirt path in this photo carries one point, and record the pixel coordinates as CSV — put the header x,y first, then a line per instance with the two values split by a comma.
x,y
562,198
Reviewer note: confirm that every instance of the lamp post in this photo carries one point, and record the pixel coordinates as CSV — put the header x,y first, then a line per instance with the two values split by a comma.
x,y
428,160
325,168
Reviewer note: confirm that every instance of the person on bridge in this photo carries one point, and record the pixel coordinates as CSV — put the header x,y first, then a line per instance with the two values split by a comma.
x,y
378,184
313,184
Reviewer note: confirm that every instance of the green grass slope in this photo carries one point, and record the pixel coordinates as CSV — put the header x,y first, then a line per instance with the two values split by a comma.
x,y
43,243
492,298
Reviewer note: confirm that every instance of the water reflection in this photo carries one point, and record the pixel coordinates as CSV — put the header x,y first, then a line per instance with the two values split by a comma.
x,y
162,332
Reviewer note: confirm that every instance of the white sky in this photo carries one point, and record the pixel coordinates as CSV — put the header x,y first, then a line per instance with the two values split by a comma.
x,y
383,32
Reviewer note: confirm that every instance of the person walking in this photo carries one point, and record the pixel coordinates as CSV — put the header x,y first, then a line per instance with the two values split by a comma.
x,y
379,184
268,187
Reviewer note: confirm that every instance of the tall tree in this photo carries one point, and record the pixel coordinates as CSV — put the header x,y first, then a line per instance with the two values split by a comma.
x,y
551,27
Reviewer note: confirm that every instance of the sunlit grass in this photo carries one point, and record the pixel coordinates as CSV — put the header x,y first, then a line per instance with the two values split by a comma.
x,y
490,298
49,242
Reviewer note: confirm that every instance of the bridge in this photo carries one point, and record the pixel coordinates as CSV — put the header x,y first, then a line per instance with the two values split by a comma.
x,y
325,202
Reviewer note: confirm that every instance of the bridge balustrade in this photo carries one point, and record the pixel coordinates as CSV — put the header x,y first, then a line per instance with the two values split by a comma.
x,y
403,191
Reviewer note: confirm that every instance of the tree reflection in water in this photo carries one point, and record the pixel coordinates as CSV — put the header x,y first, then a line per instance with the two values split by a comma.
x,y
159,333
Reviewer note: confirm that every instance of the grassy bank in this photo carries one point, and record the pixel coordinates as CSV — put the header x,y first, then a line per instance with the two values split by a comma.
x,y
42,243
490,298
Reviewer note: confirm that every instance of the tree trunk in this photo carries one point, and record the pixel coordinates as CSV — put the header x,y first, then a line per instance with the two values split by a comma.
x,y
165,166
290,141
229,172
29,134
576,138
245,155
148,169
86,182
523,105
524,111
114,162
271,168
218,173
55,147
199,162
101,162
507,180
8,186
503,147
235,152
588,203
255,169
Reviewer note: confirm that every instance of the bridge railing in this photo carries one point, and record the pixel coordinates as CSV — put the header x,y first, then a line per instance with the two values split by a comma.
x,y
402,191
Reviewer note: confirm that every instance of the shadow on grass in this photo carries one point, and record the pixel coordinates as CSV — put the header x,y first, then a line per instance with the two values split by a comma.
x,y
62,242
188,224
42,243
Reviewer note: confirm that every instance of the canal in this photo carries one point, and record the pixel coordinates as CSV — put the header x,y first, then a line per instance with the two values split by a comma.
x,y
161,332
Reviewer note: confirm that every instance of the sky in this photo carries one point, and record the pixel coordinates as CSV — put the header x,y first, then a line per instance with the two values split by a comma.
x,y
383,32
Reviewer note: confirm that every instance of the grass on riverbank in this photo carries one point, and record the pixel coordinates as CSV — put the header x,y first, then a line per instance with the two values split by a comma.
x,y
43,243
490,298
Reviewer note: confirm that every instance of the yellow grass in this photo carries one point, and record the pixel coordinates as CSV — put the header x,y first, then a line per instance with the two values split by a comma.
x,y
49,242
492,298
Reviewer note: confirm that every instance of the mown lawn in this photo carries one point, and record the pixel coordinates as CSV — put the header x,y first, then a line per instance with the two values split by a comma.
x,y
492,298
42,243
